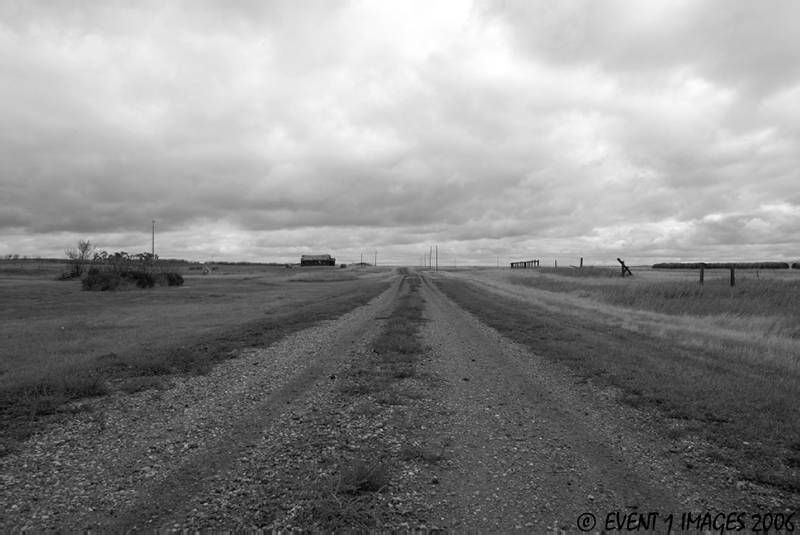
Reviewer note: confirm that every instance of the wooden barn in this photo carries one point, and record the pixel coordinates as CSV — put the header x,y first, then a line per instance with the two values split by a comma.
x,y
317,260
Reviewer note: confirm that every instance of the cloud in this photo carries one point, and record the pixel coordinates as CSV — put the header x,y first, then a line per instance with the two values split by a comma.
x,y
260,130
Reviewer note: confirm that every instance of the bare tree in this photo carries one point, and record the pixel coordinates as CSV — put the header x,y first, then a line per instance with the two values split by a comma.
x,y
79,257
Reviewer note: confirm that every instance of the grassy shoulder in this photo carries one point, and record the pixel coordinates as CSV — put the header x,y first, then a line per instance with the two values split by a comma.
x,y
748,411
65,344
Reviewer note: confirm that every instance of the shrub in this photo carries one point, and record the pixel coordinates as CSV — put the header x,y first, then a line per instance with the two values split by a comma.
x,y
101,281
169,279
142,279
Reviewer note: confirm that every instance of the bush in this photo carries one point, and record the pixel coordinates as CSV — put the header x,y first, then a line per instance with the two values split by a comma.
x,y
101,281
142,279
169,279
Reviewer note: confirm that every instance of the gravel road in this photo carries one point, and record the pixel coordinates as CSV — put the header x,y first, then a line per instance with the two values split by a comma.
x,y
136,461
535,448
519,443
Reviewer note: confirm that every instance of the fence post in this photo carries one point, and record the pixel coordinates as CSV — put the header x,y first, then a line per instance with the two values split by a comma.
x,y
733,277
702,272
556,263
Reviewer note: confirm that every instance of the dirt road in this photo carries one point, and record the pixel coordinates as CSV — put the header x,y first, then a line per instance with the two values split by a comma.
x,y
533,448
145,460
487,436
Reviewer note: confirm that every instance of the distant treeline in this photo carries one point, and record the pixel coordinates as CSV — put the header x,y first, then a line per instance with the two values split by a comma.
x,y
726,265
222,263
31,260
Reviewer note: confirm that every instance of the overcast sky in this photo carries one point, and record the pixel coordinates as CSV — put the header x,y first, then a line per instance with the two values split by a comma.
x,y
256,130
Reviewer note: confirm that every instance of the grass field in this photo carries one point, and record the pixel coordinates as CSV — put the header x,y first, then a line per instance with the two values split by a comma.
x,y
60,343
718,362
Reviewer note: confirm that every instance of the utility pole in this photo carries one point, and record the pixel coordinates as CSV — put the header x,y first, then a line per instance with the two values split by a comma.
x,y
437,258
153,242
362,260
430,258
375,264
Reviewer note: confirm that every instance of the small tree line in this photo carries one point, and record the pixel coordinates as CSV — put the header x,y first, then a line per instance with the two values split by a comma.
x,y
101,270
725,265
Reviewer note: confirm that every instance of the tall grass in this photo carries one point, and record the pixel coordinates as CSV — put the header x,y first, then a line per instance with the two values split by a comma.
x,y
584,272
751,297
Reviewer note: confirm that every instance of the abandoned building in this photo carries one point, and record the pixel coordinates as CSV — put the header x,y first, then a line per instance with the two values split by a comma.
x,y
317,260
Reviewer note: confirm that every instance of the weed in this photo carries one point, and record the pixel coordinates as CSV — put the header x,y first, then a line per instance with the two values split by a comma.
x,y
418,453
363,476
138,384
38,396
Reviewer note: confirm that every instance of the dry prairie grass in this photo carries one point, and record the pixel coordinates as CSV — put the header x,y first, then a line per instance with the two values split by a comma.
x,y
751,297
62,344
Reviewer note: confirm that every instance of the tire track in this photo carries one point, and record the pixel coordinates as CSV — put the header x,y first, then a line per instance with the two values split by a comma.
x,y
167,501
139,461
530,450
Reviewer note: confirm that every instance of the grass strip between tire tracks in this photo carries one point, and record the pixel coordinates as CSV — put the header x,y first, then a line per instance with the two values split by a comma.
x,y
373,389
